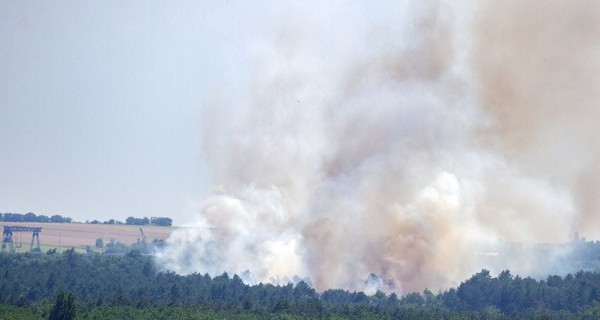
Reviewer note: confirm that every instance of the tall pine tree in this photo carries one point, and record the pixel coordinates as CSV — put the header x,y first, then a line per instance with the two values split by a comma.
x,y
64,308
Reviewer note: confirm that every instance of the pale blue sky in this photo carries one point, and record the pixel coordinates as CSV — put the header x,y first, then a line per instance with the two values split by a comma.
x,y
101,101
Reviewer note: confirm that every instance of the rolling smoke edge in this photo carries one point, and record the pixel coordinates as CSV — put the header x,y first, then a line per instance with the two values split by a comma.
x,y
404,153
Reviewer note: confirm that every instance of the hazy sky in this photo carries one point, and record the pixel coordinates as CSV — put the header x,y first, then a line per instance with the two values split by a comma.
x,y
100,103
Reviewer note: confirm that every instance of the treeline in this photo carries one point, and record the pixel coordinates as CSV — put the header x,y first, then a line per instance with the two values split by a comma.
x,y
112,286
32,217
109,221
156,221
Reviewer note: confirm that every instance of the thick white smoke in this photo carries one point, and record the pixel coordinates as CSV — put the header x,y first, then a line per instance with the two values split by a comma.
x,y
403,147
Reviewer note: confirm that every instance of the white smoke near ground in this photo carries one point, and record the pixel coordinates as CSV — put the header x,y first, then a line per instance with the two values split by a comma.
x,y
396,152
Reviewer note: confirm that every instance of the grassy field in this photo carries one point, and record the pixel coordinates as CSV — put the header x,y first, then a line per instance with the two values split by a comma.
x,y
79,235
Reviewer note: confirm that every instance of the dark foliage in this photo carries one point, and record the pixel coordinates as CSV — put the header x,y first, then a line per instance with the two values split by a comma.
x,y
157,221
109,286
32,217
64,308
137,221
161,221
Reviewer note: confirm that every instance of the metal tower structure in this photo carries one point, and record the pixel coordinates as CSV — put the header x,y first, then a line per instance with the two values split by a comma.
x,y
7,237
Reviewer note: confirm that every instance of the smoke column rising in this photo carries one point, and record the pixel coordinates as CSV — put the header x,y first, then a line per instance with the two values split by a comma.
x,y
400,146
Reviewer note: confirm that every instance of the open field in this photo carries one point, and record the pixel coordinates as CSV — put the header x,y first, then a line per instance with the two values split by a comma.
x,y
79,235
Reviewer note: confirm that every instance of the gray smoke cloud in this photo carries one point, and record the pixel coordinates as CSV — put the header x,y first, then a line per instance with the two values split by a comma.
x,y
402,149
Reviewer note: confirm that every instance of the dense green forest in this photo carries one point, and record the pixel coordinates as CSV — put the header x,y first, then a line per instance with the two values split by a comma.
x,y
131,287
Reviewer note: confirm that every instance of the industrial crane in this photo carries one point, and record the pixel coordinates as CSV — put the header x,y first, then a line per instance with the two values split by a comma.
x,y
7,237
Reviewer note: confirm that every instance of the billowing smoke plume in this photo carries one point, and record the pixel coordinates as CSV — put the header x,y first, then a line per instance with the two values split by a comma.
x,y
402,149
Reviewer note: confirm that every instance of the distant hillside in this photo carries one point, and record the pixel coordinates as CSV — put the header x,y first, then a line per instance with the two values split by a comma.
x,y
80,235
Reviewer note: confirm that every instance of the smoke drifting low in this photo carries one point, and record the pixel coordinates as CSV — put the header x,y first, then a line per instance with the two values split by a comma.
x,y
404,147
